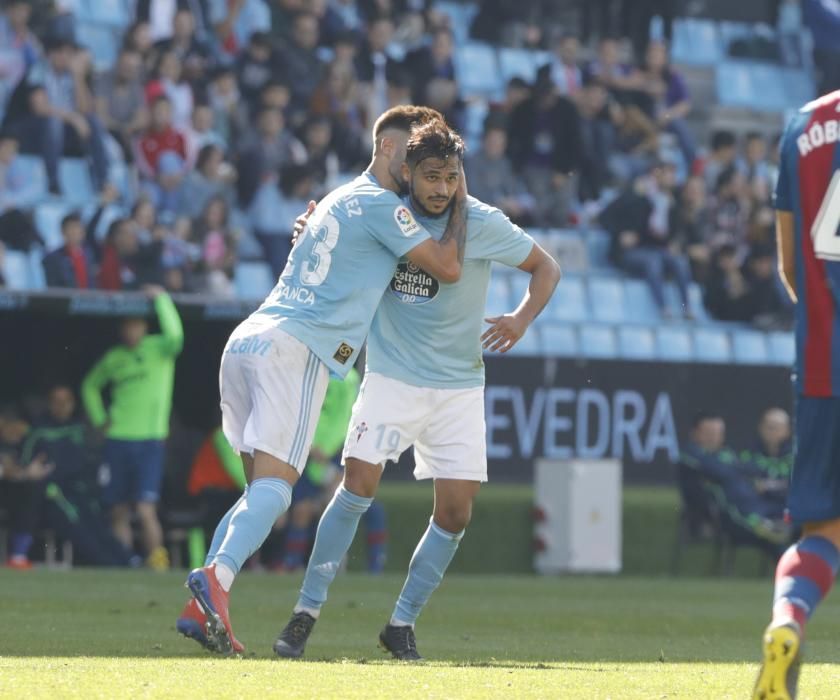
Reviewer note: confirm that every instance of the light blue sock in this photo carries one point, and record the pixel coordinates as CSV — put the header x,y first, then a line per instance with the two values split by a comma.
x,y
335,534
267,499
222,528
428,565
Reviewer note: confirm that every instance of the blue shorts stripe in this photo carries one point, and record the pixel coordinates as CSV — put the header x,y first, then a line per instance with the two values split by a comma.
x,y
307,410
299,433
798,588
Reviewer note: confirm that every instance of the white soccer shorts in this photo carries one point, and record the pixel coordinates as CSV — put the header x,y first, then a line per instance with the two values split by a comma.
x,y
272,388
446,427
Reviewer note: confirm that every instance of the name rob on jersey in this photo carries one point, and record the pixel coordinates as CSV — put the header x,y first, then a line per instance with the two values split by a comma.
x,y
413,285
818,134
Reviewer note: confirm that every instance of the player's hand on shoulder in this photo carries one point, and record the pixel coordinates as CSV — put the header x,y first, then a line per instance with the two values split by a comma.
x,y
300,222
504,332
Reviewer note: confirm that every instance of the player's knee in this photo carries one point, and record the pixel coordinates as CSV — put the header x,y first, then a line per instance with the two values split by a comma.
x,y
453,517
361,478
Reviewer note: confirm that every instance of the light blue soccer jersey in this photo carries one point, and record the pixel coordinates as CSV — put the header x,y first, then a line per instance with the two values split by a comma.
x,y
337,272
427,333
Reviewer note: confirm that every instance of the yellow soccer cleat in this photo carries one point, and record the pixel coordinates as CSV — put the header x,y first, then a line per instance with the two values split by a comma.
x,y
779,672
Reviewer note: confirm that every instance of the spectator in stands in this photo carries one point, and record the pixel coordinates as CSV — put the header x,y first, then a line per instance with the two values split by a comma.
x,y
338,99
600,117
70,266
617,76
202,131
120,99
517,91
823,19
271,147
17,192
162,156
756,166
212,177
644,242
21,48
669,98
218,247
302,63
257,66
727,294
138,38
640,13
724,152
544,147
774,442
767,305
564,66
375,67
491,178
192,53
692,223
65,123
19,487
140,374
159,15
71,500
180,256
432,62
230,112
235,21
323,160
121,254
169,82
730,208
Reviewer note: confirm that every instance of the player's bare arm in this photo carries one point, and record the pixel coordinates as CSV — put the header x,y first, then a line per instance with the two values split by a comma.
x,y
505,331
785,244
444,258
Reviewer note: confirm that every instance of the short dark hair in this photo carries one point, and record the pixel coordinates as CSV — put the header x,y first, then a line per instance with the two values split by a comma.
x,y
433,140
703,416
403,117
72,217
754,136
722,139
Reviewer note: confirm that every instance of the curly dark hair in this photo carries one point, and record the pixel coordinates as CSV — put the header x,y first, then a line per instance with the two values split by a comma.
x,y
433,140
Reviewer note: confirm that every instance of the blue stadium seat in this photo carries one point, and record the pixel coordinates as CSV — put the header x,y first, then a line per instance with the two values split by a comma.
x,y
498,297
16,269
74,180
782,348
518,63
639,306
559,339
48,216
37,277
477,69
762,86
695,42
749,347
598,341
695,301
529,344
606,299
598,247
32,168
253,280
636,343
460,17
112,12
101,40
712,345
673,343
474,115
569,301
569,248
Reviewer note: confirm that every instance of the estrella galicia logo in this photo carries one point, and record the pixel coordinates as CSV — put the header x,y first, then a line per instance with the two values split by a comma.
x,y
413,285
406,221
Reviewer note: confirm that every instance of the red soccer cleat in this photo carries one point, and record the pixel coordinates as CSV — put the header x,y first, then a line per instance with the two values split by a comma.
x,y
211,601
193,624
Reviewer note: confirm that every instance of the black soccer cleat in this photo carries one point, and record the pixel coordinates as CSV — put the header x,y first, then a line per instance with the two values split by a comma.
x,y
292,640
400,642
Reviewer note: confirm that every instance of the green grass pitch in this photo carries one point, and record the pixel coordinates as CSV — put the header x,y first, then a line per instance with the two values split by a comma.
x,y
105,634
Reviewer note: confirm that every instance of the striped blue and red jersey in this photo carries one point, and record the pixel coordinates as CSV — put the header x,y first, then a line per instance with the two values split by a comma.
x,y
809,187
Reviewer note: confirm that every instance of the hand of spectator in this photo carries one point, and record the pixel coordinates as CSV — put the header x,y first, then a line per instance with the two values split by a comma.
x,y
79,123
152,291
300,222
38,468
504,332
628,239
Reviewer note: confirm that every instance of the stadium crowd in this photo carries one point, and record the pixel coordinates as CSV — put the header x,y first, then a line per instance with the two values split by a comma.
x,y
219,120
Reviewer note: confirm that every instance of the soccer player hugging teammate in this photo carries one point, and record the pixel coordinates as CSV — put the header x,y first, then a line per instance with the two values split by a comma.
x,y
276,364
424,386
807,219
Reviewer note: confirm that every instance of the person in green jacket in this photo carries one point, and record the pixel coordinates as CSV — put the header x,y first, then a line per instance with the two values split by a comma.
x,y
140,373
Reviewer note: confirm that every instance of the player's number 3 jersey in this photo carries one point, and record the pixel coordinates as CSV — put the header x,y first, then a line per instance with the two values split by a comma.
x,y
809,188
337,272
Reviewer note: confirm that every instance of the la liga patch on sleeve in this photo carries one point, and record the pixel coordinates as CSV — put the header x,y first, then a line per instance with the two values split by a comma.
x,y
405,220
